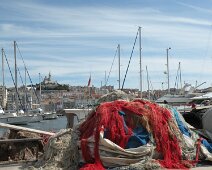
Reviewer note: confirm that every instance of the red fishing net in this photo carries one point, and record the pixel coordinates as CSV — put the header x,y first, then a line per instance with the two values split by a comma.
x,y
107,115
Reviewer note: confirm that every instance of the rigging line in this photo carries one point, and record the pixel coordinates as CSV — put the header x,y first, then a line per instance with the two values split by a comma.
x,y
176,80
147,76
180,76
130,59
22,84
153,91
206,51
208,42
27,71
13,81
111,66
20,76
151,86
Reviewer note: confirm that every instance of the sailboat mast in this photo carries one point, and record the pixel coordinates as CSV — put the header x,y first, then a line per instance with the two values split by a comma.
x,y
140,62
180,75
119,66
16,79
148,82
3,84
25,99
40,89
167,58
105,79
2,50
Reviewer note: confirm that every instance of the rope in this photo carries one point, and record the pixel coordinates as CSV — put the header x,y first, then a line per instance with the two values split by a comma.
x,y
130,59
111,66
23,86
27,71
198,143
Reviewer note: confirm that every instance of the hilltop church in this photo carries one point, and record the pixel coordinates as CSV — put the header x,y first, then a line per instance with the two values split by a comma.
x,y
48,82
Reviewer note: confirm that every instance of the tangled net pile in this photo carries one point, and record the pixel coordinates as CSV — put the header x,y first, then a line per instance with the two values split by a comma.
x,y
61,152
102,140
157,121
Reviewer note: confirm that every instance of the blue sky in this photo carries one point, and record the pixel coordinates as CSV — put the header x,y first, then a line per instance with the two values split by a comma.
x,y
72,39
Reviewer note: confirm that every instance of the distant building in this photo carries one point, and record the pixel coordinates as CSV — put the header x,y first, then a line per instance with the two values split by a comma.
x,y
109,88
68,103
131,91
48,82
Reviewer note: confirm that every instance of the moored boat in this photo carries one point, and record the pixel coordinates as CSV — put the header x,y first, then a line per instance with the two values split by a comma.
x,y
49,115
12,118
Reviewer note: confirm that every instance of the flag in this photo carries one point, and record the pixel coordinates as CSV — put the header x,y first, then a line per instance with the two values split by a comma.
x,y
89,81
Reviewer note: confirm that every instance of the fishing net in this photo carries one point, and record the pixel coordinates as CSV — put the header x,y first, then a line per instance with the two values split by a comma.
x,y
142,165
61,152
101,141
115,95
107,118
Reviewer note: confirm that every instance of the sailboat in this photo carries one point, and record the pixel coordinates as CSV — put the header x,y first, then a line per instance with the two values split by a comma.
x,y
184,96
16,116
36,113
30,110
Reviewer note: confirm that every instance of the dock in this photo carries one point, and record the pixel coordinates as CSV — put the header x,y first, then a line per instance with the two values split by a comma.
x,y
75,114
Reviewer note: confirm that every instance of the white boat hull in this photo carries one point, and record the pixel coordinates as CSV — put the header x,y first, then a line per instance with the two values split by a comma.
x,y
36,118
16,120
49,116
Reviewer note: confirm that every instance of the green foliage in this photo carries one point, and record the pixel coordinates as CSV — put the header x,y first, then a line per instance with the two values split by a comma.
x,y
62,87
58,87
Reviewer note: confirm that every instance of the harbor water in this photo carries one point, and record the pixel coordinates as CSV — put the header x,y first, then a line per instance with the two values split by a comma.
x,y
53,125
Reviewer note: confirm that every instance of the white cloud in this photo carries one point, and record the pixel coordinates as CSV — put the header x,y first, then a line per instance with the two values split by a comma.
x,y
77,40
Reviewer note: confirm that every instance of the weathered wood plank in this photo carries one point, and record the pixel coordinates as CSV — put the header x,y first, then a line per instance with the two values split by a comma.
x,y
4,125
20,140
